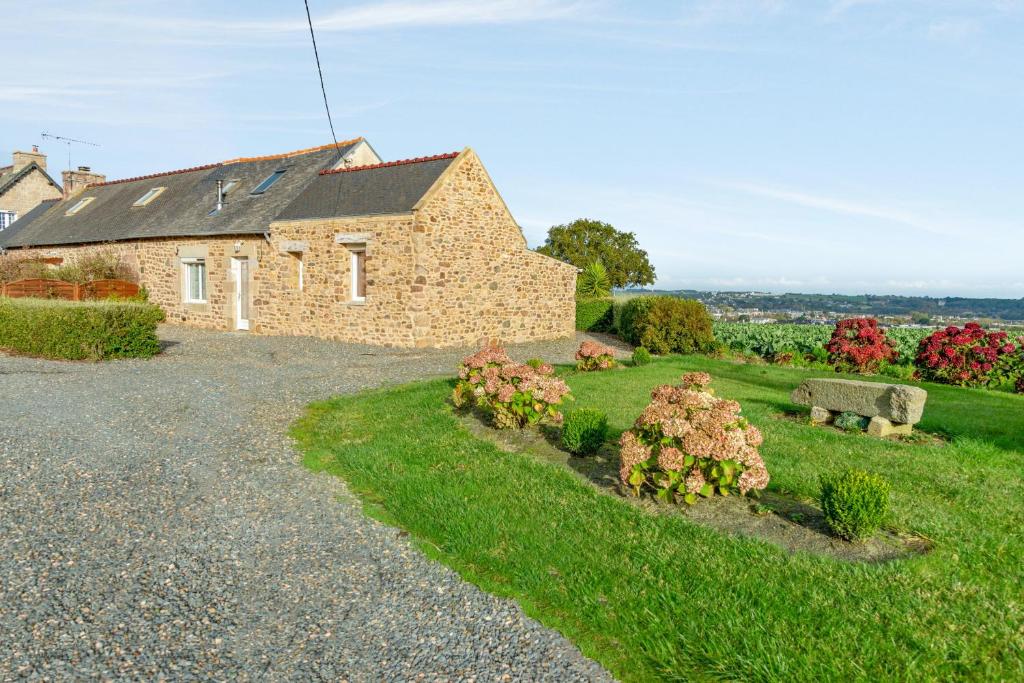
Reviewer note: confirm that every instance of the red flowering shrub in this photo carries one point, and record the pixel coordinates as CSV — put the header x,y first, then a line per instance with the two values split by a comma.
x,y
594,356
687,443
859,345
513,394
966,357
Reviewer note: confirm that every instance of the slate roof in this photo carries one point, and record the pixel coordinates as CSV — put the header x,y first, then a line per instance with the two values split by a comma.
x,y
8,176
14,228
392,187
183,209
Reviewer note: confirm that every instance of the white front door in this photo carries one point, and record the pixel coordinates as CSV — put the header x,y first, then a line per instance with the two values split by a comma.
x,y
240,274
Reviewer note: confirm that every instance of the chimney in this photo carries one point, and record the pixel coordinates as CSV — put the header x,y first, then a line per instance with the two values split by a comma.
x,y
23,159
76,181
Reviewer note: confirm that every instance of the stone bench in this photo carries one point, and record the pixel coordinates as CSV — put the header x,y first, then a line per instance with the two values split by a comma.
x,y
893,408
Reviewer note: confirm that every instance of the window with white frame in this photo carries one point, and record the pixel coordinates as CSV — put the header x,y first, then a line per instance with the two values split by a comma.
x,y
149,196
358,268
6,218
300,270
194,280
79,205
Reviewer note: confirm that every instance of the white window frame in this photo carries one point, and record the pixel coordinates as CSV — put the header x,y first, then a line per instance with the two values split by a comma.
x,y
149,196
7,217
186,281
301,270
82,203
354,252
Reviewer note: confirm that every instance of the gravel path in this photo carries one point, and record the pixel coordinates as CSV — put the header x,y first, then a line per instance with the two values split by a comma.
x,y
155,523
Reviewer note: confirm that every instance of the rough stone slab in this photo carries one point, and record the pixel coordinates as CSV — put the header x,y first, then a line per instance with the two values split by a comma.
x,y
879,426
895,402
821,415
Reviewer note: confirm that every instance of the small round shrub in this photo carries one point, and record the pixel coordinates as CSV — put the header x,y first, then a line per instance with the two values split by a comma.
x,y
859,345
584,431
641,356
536,363
851,422
594,315
667,324
855,503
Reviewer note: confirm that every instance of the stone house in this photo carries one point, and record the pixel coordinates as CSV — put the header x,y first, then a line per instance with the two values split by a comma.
x,y
24,185
330,242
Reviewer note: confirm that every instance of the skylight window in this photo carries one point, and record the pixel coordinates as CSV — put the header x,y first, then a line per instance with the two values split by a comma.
x,y
82,203
271,179
228,186
149,196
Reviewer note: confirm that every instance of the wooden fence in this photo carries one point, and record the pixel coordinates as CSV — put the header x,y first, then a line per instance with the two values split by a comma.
x,y
58,289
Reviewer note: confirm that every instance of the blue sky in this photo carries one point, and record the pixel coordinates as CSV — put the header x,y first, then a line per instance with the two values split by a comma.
x,y
836,146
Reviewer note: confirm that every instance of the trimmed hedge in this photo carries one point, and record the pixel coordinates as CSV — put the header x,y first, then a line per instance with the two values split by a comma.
x,y
79,330
667,324
594,315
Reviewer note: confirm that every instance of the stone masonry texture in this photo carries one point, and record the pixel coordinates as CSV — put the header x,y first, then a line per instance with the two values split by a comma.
x,y
456,271
898,403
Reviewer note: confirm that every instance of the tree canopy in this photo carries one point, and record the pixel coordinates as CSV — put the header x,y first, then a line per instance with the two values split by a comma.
x,y
586,241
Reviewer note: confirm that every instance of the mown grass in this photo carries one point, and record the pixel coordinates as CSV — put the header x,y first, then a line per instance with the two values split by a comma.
x,y
654,596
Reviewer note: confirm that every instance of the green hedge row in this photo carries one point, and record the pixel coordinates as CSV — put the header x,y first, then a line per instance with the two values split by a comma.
x,y
594,315
667,324
79,330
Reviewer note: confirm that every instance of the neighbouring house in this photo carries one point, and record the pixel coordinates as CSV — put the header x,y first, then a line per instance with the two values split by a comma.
x,y
24,185
330,242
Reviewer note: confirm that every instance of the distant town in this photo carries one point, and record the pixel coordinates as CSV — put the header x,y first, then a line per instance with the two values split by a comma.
x,y
815,309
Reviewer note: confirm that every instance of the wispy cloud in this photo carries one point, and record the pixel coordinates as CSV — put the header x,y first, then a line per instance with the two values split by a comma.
x,y
844,206
954,30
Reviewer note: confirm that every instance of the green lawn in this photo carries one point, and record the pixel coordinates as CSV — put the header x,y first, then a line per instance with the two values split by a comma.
x,y
655,596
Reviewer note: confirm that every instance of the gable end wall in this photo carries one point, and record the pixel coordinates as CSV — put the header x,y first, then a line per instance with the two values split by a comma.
x,y
475,278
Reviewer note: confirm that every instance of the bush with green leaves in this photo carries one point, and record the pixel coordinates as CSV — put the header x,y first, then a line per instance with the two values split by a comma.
x,y
851,422
855,503
79,330
667,324
641,356
593,282
594,315
584,431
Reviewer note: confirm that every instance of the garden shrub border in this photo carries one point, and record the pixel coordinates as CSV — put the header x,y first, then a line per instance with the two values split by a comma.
x,y
79,330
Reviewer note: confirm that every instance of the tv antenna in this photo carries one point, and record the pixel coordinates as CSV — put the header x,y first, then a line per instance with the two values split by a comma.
x,y
68,142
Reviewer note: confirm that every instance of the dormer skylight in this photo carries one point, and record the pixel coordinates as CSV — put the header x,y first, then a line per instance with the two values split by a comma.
x,y
149,196
81,204
270,180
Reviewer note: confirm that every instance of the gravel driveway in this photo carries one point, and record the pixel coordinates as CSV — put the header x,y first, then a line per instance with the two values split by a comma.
x,y
155,523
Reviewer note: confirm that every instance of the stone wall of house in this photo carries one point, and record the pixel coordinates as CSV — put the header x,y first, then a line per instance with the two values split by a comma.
x,y
475,278
28,193
158,264
455,272
324,307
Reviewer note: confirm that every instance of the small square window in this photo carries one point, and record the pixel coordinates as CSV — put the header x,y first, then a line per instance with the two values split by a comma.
x,y
149,196
81,204
6,218
194,280
358,267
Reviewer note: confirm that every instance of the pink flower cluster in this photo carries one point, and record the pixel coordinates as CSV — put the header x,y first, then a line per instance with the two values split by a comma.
x,y
593,355
516,394
968,356
859,345
691,442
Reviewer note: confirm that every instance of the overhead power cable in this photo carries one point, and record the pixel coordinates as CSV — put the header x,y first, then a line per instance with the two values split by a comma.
x,y
321,72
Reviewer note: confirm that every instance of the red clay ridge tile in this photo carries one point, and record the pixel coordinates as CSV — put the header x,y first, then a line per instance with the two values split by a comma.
x,y
239,160
154,175
386,164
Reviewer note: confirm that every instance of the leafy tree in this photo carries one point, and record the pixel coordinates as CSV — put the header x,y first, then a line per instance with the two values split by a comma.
x,y
593,282
585,241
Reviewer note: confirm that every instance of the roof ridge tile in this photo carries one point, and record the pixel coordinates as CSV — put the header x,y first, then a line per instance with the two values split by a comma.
x,y
388,164
238,160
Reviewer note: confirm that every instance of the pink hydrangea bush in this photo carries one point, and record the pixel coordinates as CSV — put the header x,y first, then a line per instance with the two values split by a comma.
x,y
513,394
687,443
593,355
